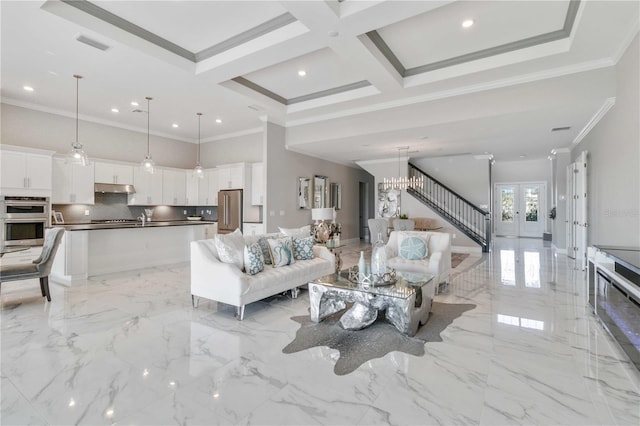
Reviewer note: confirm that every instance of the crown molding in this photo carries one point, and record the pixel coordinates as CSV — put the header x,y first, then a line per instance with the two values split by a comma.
x,y
239,133
606,106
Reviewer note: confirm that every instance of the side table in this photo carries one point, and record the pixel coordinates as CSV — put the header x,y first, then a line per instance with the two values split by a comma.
x,y
336,250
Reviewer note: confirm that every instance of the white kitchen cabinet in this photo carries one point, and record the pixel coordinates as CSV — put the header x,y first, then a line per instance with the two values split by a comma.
x,y
232,176
113,173
192,188
174,186
72,183
257,184
252,228
208,188
148,188
25,173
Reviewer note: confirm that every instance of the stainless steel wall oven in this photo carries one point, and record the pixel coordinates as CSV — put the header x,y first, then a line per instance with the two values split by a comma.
x,y
23,220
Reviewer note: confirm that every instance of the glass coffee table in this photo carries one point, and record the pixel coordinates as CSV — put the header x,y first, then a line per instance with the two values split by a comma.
x,y
407,302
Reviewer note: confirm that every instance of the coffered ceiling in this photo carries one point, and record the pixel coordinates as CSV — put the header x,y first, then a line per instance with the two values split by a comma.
x,y
377,74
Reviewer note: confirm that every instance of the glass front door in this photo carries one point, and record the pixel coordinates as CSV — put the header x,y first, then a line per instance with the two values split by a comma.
x,y
520,209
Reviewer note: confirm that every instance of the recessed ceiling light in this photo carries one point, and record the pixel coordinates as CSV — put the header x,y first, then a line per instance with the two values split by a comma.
x,y
174,125
467,23
218,120
28,88
53,73
134,103
302,73
115,110
523,156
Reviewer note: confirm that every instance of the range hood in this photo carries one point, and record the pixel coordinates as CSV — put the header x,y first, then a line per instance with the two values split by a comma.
x,y
114,188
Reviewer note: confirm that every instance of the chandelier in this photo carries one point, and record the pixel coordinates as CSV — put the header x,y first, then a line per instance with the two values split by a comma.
x,y
403,182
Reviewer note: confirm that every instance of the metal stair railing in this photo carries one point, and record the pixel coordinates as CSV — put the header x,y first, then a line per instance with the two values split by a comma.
x,y
471,220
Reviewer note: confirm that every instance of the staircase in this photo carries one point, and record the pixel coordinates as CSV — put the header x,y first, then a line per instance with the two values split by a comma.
x,y
474,222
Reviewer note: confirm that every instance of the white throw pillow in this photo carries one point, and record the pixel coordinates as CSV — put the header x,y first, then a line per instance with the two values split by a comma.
x,y
231,248
413,246
302,232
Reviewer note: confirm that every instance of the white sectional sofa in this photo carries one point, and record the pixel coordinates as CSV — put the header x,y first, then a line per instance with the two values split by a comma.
x,y
437,262
226,283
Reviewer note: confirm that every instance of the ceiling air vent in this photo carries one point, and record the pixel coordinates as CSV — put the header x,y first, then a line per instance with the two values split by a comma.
x,y
93,43
559,129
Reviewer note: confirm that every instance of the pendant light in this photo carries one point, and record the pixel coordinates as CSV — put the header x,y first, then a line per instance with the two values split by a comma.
x,y
197,170
148,164
77,154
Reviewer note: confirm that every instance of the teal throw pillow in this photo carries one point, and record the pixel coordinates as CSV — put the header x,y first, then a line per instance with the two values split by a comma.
x,y
264,246
281,251
412,248
303,248
253,259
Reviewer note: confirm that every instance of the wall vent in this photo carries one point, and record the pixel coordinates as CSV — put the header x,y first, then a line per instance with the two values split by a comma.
x,y
559,129
93,43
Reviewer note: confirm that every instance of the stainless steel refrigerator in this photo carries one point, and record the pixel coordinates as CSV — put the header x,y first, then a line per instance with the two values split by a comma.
x,y
229,210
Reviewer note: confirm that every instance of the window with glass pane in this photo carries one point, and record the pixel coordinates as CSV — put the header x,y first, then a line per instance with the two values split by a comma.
x,y
506,198
532,199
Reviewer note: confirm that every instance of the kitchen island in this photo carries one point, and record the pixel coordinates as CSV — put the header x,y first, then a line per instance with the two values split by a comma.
x,y
91,249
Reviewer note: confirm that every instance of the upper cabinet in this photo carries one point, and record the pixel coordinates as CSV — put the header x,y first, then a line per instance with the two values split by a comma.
x,y
208,188
232,176
25,172
113,173
72,183
257,184
193,183
148,188
174,187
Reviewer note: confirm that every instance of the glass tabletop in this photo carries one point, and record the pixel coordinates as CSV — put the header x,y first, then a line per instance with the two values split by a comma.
x,y
404,287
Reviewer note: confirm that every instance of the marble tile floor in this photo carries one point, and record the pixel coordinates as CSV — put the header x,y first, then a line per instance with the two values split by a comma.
x,y
128,349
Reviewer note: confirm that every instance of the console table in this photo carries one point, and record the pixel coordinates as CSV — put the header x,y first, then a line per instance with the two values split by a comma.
x,y
613,279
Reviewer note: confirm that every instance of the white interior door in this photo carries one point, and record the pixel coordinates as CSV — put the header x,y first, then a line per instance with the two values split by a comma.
x,y
569,222
520,208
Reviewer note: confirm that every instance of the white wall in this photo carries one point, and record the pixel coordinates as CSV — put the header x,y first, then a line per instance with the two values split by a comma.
x,y
36,129
613,174
464,174
284,167
233,150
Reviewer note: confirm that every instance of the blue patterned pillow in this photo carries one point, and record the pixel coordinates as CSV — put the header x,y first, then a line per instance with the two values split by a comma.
x,y
412,247
253,259
281,251
303,248
264,246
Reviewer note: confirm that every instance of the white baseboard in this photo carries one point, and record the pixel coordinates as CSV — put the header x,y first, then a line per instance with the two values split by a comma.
x,y
466,249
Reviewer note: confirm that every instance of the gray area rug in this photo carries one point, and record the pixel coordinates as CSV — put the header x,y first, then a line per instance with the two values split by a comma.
x,y
375,341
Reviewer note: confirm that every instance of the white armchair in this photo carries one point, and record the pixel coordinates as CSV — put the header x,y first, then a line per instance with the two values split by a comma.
x,y
437,262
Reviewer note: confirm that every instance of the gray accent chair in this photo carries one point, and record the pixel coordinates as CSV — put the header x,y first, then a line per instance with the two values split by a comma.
x,y
378,226
39,268
404,225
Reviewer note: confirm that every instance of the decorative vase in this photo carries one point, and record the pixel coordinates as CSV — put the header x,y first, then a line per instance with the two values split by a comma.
x,y
379,257
362,266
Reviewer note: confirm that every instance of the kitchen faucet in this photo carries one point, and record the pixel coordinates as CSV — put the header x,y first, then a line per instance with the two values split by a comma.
x,y
143,218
